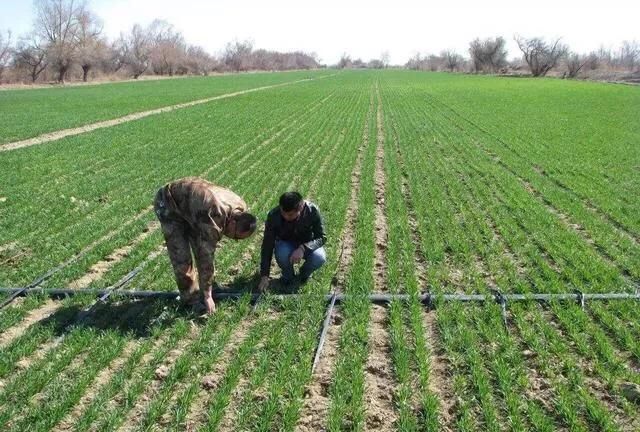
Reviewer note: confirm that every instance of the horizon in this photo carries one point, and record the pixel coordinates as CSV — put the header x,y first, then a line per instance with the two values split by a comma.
x,y
406,28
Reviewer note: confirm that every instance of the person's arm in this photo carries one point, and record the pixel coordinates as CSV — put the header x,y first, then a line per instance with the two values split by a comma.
x,y
268,243
319,236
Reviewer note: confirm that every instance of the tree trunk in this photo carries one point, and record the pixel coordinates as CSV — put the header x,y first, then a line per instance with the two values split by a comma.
x,y
85,72
61,74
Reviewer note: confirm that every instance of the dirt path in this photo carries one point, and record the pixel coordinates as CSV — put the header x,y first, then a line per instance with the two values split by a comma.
x,y
380,386
420,259
439,372
380,273
53,136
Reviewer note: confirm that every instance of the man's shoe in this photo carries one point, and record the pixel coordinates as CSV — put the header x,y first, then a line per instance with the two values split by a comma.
x,y
304,280
199,309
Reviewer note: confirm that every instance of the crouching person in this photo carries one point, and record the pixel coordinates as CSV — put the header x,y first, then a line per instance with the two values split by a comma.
x,y
294,231
194,215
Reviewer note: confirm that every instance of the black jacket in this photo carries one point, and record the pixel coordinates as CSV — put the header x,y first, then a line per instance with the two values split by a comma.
x,y
307,230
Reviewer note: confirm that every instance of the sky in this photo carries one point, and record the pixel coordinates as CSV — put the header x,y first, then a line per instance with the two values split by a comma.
x,y
363,29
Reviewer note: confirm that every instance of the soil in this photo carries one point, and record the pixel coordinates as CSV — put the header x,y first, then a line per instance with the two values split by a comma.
x,y
594,384
107,236
34,316
347,235
420,260
228,421
8,246
379,380
439,372
316,403
577,228
381,233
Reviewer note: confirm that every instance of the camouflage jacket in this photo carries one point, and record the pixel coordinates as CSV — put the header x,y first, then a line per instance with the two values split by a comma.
x,y
206,208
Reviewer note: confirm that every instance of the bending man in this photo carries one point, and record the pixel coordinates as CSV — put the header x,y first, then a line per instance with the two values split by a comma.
x,y
194,215
294,231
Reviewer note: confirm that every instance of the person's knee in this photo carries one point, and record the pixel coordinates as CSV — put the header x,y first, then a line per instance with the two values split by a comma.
x,y
282,258
184,273
318,257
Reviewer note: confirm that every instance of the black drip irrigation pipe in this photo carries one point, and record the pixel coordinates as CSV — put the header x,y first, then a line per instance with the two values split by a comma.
x,y
42,278
323,333
374,298
33,284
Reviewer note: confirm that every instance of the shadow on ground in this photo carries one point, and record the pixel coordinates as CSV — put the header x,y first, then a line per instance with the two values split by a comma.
x,y
138,317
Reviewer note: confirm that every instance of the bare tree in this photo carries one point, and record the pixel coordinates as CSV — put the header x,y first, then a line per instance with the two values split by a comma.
x,y
31,55
5,51
169,47
576,62
345,61
237,55
375,64
452,60
629,55
91,49
415,62
541,56
198,60
262,59
57,23
135,50
488,55
117,54
604,55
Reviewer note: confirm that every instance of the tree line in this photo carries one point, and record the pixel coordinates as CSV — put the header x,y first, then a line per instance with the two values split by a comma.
x,y
539,57
67,41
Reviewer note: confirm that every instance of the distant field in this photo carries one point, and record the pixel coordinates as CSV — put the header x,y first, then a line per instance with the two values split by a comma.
x,y
27,113
428,182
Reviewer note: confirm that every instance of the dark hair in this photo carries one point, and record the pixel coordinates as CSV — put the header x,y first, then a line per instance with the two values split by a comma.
x,y
290,201
246,222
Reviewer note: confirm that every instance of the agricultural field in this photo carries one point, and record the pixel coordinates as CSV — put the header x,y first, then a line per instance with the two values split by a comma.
x,y
429,183
25,114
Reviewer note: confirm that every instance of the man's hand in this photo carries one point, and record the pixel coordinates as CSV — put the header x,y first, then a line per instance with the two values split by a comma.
x,y
209,304
297,255
264,284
